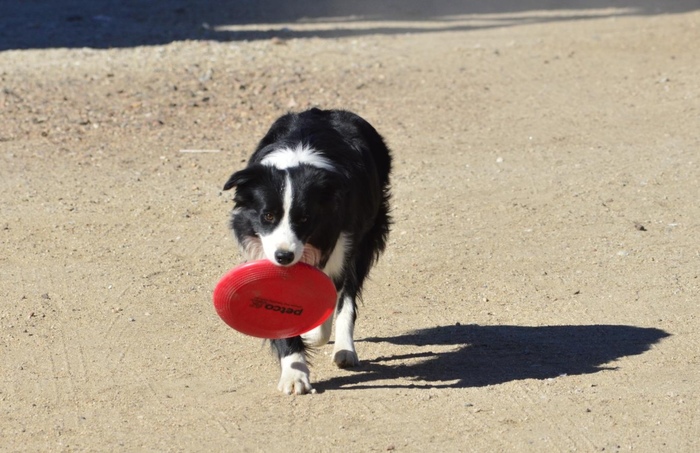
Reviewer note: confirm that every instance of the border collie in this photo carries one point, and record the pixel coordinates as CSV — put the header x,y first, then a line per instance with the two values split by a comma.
x,y
316,190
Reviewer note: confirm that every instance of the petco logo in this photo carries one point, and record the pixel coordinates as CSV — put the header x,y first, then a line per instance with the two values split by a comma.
x,y
259,302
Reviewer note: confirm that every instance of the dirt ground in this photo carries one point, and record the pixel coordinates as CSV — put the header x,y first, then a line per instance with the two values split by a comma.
x,y
540,287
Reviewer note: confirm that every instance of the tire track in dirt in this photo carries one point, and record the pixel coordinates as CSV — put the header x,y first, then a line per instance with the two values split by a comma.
x,y
114,332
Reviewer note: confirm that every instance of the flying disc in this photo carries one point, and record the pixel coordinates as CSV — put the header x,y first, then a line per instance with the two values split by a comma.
x,y
263,300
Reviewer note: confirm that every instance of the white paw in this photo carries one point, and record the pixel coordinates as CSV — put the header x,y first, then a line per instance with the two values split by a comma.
x,y
295,376
345,358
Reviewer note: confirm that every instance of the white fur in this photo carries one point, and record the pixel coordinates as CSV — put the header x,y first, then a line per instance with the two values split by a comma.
x,y
336,262
284,158
295,375
283,237
252,249
321,334
311,255
344,354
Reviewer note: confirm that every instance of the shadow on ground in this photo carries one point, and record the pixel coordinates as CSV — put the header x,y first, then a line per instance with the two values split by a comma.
x,y
34,24
488,355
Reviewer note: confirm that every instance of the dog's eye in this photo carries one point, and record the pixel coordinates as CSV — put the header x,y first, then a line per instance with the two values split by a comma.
x,y
303,219
268,217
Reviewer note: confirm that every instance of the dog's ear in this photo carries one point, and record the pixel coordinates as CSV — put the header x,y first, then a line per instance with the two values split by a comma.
x,y
244,176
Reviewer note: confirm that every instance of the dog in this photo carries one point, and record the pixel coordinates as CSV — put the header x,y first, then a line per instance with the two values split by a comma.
x,y
316,190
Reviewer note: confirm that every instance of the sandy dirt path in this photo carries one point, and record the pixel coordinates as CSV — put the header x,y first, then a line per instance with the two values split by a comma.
x,y
540,287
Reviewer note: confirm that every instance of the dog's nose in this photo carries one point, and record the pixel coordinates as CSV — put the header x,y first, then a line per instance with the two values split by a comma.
x,y
284,257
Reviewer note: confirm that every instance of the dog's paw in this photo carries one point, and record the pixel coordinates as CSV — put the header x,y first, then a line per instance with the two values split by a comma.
x,y
295,378
346,359
295,383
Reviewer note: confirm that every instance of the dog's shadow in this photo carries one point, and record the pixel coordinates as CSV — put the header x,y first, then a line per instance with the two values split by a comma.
x,y
485,355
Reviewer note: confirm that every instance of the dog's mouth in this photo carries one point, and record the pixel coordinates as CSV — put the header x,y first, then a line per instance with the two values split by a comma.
x,y
254,250
311,255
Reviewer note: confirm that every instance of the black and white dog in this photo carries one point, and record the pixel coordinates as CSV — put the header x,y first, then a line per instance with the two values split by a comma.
x,y
316,190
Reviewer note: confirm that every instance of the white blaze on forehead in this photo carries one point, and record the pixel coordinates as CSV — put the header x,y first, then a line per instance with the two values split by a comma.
x,y
284,158
283,238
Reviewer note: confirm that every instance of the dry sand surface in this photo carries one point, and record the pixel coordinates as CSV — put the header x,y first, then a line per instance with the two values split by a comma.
x,y
540,287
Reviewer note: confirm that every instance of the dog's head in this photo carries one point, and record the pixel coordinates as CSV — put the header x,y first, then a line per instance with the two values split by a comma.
x,y
283,214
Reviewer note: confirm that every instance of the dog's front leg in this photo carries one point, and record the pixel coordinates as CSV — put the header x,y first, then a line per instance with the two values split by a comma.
x,y
320,335
344,354
294,378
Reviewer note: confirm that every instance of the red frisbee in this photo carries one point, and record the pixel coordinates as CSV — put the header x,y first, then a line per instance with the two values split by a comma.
x,y
268,301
